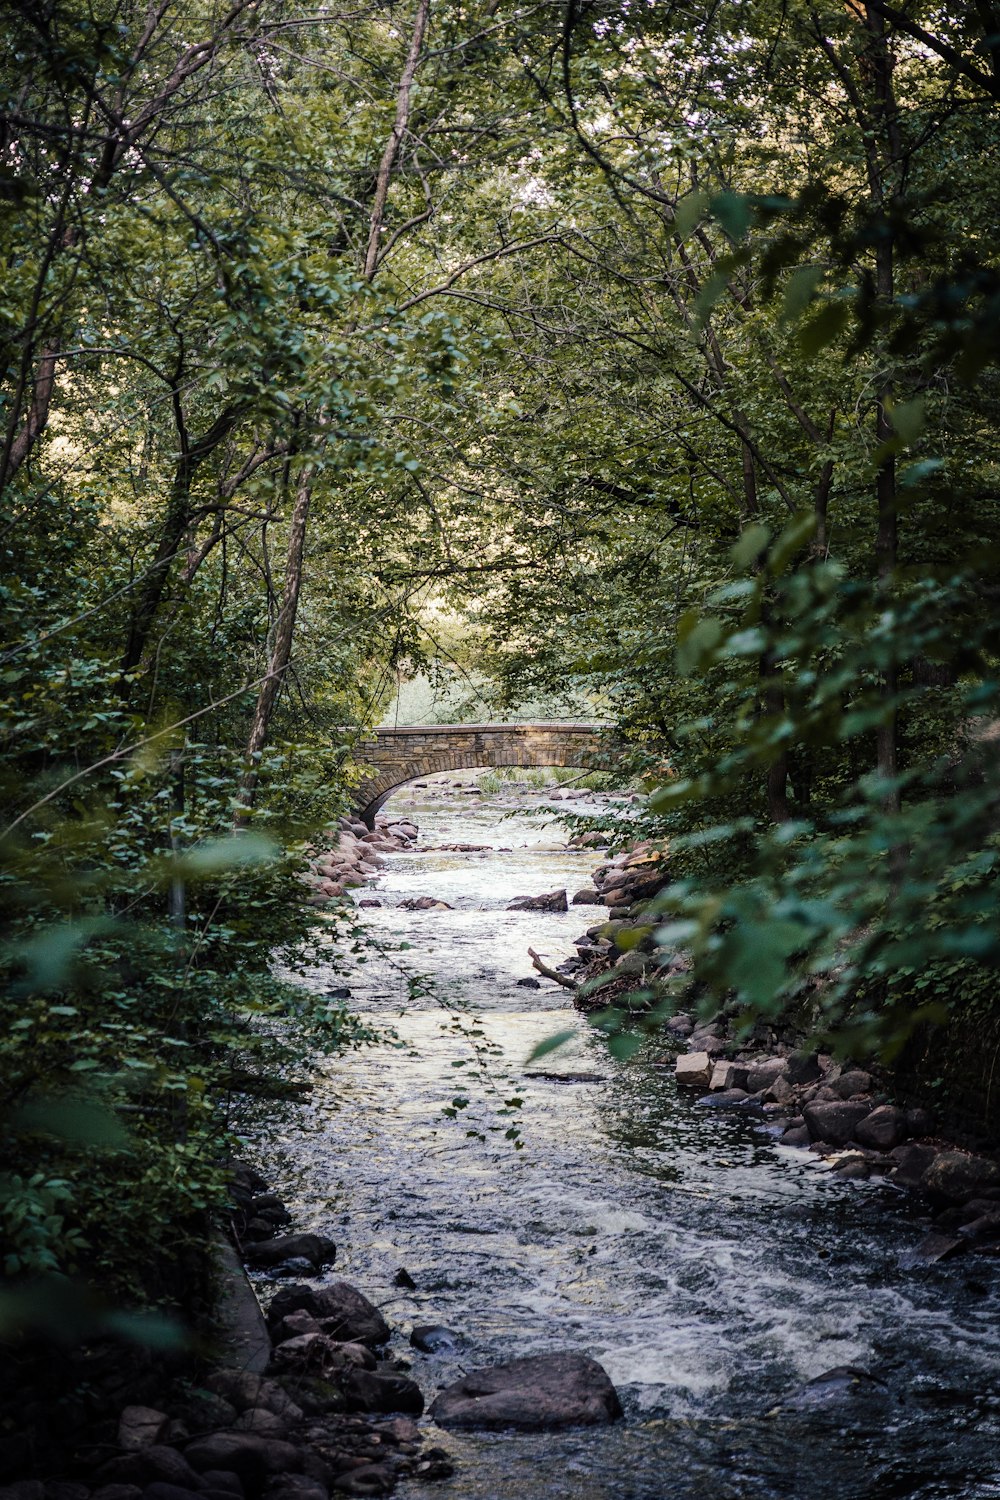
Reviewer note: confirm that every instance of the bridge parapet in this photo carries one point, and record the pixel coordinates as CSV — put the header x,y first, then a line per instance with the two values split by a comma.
x,y
415,751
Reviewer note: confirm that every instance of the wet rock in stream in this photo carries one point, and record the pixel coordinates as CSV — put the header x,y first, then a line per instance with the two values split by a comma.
x,y
541,1391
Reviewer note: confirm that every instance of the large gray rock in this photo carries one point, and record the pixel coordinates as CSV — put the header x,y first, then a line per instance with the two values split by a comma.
x,y
157,1464
314,1248
542,1391
834,1122
763,1074
368,1391
550,901
253,1458
833,1388
343,1312
912,1162
849,1085
884,1128
803,1067
957,1176
694,1069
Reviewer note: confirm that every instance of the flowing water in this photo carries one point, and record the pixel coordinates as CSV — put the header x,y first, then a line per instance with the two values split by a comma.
x,y
710,1270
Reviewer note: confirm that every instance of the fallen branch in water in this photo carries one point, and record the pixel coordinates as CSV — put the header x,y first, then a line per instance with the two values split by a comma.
x,y
543,968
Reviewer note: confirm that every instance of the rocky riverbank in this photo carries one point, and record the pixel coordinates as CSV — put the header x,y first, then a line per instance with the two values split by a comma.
x,y
302,1402
846,1115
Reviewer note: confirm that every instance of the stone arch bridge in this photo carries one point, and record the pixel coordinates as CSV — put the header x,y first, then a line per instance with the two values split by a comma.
x,y
412,752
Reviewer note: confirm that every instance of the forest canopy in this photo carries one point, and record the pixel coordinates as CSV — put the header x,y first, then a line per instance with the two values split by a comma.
x,y
653,348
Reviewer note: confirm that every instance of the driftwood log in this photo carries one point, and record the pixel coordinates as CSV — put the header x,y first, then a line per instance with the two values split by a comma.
x,y
543,968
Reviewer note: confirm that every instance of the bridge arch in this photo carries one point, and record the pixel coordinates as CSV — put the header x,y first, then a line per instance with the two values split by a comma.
x,y
410,753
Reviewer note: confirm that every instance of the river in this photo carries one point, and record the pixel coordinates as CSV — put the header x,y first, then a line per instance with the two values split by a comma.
x,y
709,1269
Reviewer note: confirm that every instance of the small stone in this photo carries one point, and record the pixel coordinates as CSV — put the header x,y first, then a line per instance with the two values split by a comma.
x,y
258,1419
431,1338
294,1326
373,1479
529,983
140,1427
404,1279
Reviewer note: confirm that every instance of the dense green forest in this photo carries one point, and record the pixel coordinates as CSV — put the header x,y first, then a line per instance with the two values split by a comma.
x,y
641,356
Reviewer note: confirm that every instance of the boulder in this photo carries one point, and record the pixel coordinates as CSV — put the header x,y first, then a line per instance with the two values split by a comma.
x,y
802,1067
157,1464
316,1249
796,1135
850,1085
343,1312
919,1122
762,1075
223,1479
294,1326
727,1075
694,1069
107,1492
834,1121
424,903
369,1391
245,1454
912,1161
884,1128
140,1427
529,983
549,901
832,1389
244,1389
957,1176
542,1391
586,897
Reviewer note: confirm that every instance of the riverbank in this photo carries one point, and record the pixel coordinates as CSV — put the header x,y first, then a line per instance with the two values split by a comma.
x,y
709,1268
712,1270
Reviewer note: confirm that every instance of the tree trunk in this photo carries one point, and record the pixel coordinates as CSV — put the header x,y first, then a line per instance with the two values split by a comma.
x,y
281,647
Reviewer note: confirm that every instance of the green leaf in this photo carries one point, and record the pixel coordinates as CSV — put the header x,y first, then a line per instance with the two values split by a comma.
x,y
824,327
550,1044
